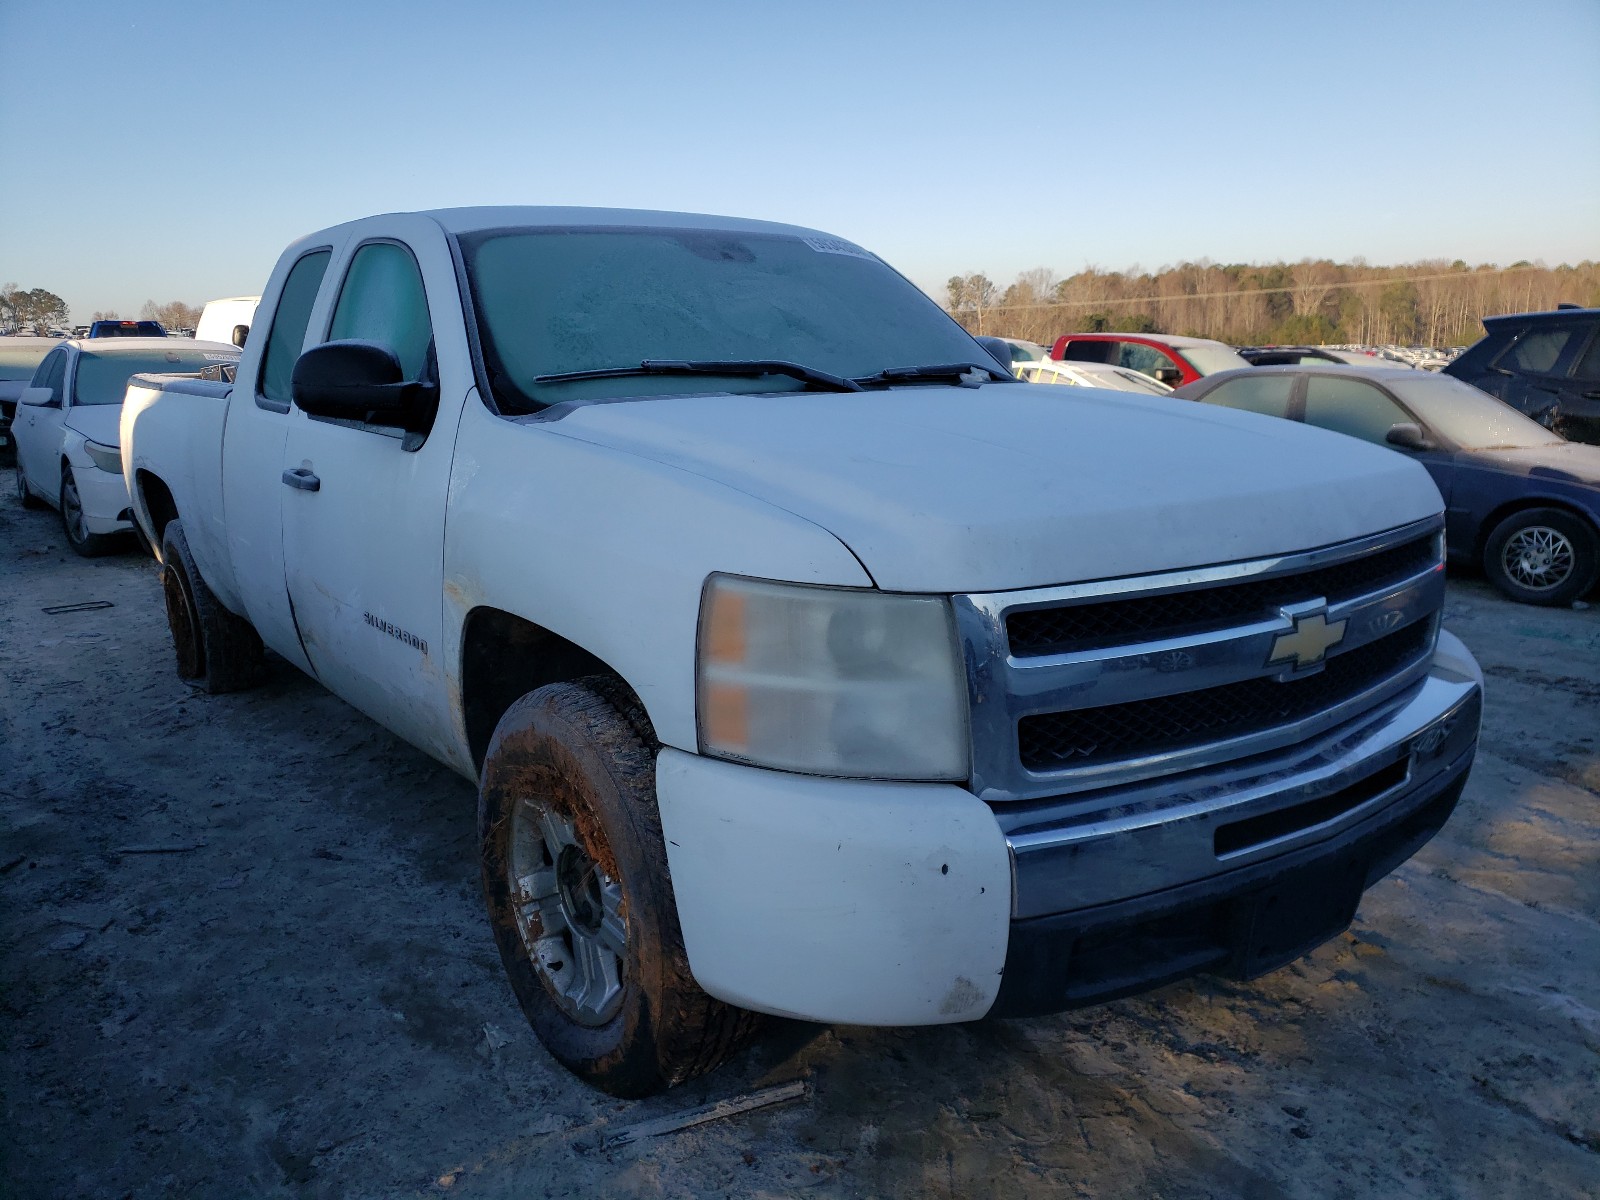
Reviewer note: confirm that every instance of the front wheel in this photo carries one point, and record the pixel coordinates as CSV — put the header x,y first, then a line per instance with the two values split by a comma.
x,y
75,525
580,898
1542,556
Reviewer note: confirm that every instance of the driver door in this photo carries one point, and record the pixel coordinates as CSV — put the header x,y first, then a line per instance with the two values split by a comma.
x,y
364,506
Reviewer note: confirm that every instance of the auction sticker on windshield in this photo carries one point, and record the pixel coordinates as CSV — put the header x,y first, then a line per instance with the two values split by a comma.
x,y
823,245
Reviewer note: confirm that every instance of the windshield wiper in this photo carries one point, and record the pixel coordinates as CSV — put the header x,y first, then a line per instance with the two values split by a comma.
x,y
741,368
963,373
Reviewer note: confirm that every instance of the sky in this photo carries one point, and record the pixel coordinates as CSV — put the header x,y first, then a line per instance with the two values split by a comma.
x,y
170,151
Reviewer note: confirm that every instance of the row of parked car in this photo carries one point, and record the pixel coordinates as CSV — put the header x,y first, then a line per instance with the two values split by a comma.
x,y
1523,499
1498,427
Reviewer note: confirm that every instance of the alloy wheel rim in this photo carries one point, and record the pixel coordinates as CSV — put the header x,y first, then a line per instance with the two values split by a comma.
x,y
1538,558
568,914
72,510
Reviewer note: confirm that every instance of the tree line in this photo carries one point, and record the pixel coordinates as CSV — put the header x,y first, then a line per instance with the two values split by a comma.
x,y
40,311
1314,301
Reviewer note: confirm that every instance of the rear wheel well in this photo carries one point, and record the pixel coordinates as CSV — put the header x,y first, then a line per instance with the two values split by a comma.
x,y
1512,507
158,503
503,658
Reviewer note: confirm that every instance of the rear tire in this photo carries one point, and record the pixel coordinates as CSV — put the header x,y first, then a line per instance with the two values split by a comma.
x,y
1542,556
216,649
75,525
580,897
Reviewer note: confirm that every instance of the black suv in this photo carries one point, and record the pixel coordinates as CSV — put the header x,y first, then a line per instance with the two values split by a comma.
x,y
1546,363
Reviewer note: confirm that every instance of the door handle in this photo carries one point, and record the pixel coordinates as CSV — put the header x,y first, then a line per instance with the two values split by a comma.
x,y
302,479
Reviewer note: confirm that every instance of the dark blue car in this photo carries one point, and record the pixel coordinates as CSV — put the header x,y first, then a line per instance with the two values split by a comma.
x,y
1519,499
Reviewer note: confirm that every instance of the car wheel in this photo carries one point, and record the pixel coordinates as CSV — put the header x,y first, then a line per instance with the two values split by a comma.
x,y
25,496
1542,556
580,897
75,525
216,649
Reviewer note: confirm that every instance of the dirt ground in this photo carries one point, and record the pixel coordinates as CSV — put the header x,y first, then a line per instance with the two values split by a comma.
x,y
297,994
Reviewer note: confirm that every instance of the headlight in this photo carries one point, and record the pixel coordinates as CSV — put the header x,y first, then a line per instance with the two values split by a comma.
x,y
830,681
107,458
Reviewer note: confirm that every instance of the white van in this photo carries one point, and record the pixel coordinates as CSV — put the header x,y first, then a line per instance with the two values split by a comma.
x,y
221,317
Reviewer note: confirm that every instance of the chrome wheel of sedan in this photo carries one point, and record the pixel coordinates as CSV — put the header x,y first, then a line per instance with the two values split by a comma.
x,y
75,525
1538,557
72,511
569,914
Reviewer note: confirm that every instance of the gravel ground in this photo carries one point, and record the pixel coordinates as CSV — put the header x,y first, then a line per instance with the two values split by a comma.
x,y
244,953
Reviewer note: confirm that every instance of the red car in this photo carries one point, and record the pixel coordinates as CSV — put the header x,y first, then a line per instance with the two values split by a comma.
x,y
1172,359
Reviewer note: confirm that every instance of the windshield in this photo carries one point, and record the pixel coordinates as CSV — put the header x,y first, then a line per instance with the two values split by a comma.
x,y
551,301
1208,360
1471,419
103,378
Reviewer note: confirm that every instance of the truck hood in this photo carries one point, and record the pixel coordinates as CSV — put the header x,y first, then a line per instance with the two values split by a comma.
x,y
97,422
949,489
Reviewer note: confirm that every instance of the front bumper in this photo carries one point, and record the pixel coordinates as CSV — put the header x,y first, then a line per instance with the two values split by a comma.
x,y
904,904
104,496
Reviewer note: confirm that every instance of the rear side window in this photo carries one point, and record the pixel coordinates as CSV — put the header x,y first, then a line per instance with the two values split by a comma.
x,y
1351,407
382,301
1265,394
1089,352
289,323
1537,350
1589,366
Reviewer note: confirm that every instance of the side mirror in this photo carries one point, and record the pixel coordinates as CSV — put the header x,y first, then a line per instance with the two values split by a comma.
x,y
38,398
998,348
1408,436
1170,376
240,332
360,381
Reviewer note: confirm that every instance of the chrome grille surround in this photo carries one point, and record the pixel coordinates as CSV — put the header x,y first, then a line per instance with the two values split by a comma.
x,y
1004,688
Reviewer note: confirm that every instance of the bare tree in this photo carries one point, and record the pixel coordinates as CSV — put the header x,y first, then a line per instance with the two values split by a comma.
x,y
174,314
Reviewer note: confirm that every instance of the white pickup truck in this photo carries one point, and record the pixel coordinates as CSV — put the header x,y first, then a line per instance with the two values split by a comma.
x,y
806,663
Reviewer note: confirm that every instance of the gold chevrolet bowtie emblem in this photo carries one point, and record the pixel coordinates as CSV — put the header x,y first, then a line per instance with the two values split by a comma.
x,y
1312,638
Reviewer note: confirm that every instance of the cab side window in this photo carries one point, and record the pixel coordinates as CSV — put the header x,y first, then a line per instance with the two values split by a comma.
x,y
1265,394
288,335
1136,356
1352,407
382,301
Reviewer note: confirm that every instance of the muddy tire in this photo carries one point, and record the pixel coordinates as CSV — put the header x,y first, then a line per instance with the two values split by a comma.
x,y
1542,556
25,496
580,897
74,524
216,649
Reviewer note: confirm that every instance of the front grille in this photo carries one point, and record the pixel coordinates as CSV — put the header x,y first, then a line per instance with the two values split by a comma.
x,y
1090,736
1111,622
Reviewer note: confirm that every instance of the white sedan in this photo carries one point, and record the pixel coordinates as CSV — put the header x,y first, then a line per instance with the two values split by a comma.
x,y
66,428
1090,374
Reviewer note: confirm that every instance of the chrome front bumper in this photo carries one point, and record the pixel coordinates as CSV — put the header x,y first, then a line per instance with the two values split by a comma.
x,y
1084,850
